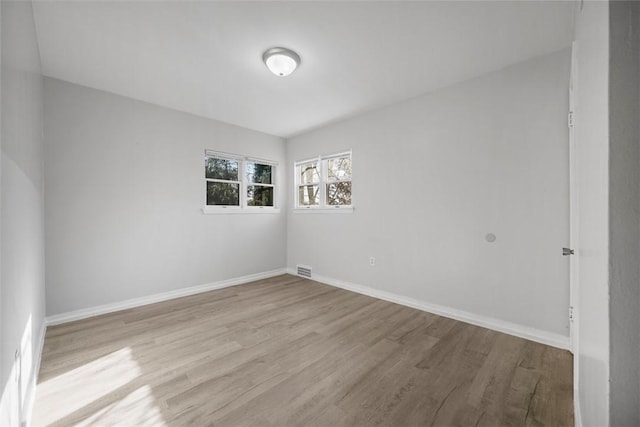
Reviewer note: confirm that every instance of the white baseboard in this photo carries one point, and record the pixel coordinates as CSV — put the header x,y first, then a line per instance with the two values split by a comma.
x,y
532,334
577,414
137,302
31,395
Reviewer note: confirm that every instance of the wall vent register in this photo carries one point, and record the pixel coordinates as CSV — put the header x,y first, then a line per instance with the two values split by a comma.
x,y
304,271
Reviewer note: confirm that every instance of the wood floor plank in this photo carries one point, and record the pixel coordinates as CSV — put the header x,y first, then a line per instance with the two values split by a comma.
x,y
287,351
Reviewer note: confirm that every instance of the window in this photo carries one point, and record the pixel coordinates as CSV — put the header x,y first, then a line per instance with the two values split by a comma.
x,y
309,184
259,184
338,186
236,183
324,182
223,181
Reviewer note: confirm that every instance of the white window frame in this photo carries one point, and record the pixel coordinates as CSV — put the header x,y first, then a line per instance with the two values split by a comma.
x,y
247,184
324,180
243,207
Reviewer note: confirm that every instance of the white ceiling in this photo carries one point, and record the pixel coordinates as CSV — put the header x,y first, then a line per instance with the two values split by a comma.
x,y
205,57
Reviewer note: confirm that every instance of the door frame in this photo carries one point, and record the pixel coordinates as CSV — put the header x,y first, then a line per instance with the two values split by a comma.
x,y
574,241
573,203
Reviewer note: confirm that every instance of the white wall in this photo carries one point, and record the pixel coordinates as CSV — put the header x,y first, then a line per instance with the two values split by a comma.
x,y
592,152
21,213
624,187
124,189
434,175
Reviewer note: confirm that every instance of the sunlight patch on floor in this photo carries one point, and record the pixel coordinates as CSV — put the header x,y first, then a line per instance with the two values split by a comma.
x,y
137,409
72,390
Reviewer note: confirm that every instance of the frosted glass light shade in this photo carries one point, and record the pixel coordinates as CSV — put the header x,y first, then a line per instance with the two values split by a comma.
x,y
281,61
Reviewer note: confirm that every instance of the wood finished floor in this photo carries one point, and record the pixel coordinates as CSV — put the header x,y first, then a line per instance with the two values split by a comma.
x,y
287,351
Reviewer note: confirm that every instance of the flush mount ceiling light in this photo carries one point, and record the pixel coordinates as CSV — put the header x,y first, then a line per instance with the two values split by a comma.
x,y
281,61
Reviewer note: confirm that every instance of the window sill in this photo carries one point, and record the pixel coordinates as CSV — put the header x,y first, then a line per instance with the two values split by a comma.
x,y
323,210
219,210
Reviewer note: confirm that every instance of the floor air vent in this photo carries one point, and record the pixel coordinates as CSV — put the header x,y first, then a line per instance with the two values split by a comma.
x,y
304,271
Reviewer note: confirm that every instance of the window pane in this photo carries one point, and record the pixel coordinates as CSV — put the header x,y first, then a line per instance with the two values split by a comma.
x,y
339,193
259,173
221,168
258,195
309,173
308,195
339,168
223,194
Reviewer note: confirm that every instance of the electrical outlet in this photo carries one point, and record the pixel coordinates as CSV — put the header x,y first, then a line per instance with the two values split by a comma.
x,y
372,261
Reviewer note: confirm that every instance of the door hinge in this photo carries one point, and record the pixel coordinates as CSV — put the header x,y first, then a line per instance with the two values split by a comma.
x,y
571,313
570,119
